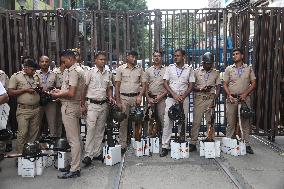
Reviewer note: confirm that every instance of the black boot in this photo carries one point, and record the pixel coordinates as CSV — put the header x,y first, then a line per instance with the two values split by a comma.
x,y
164,152
192,148
249,150
70,174
87,161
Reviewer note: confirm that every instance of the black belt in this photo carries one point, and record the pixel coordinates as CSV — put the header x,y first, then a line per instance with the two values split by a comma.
x,y
130,94
235,95
152,96
97,101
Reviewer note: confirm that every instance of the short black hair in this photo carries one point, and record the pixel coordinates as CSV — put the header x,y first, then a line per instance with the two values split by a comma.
x,y
157,51
133,53
30,63
25,58
238,49
68,53
181,51
100,53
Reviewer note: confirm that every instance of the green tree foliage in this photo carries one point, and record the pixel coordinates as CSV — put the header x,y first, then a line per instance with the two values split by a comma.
x,y
117,4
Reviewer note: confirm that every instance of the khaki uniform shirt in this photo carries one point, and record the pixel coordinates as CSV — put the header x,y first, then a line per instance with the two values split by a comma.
x,y
21,80
238,78
154,78
4,79
58,77
179,78
98,83
210,78
130,79
47,80
74,76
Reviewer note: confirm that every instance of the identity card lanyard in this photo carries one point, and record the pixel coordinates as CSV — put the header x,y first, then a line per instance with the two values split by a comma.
x,y
157,72
240,71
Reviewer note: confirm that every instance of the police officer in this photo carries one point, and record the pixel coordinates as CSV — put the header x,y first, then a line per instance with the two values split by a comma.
x,y
128,91
4,98
22,86
4,79
70,95
206,90
178,81
59,79
239,81
48,82
155,90
98,90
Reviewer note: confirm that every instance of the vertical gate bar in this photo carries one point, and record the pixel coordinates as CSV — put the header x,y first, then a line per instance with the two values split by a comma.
x,y
110,39
167,37
69,31
57,29
173,31
124,36
9,42
128,32
16,32
117,38
179,28
204,18
48,40
92,37
41,25
62,32
143,38
35,26
255,42
268,67
76,40
83,49
280,62
28,50
260,96
95,32
150,37
275,77
2,60
204,34
194,38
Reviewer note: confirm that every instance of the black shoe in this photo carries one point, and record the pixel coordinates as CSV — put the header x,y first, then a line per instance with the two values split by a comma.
x,y
87,161
123,150
164,152
100,157
192,148
69,175
249,150
66,169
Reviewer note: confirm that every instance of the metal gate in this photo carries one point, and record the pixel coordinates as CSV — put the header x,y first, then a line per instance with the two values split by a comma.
x,y
258,31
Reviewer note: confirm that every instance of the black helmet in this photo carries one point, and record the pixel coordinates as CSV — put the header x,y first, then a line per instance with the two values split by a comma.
x,y
31,150
6,134
117,115
61,144
245,111
208,58
45,98
175,112
136,113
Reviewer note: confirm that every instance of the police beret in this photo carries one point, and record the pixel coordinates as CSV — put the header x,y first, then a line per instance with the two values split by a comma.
x,y
30,63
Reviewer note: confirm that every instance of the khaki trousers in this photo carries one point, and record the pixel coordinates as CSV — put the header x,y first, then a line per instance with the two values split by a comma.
x,y
201,106
232,119
50,112
168,124
28,126
127,102
161,111
70,117
58,122
96,121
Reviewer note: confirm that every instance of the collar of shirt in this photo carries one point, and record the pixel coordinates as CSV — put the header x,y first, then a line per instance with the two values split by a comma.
x,y
202,69
160,67
185,66
73,66
126,66
96,69
243,65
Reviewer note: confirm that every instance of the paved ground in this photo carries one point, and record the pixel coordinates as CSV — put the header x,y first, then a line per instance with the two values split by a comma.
x,y
263,170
